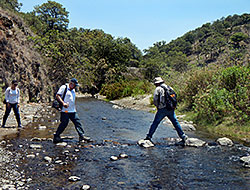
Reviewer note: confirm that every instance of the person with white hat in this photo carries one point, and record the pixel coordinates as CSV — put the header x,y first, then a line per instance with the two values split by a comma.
x,y
163,110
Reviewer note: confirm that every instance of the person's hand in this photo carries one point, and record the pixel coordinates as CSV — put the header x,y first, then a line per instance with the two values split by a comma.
x,y
18,105
66,105
8,104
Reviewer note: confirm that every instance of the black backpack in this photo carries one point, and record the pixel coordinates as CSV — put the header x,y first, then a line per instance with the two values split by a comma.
x,y
171,97
56,104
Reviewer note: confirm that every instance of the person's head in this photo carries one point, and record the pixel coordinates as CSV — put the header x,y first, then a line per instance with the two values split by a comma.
x,y
158,81
73,83
14,84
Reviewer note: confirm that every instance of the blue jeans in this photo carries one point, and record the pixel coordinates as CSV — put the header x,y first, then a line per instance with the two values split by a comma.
x,y
161,113
65,117
7,113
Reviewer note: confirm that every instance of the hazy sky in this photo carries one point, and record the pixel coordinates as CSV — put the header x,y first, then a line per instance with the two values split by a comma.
x,y
145,22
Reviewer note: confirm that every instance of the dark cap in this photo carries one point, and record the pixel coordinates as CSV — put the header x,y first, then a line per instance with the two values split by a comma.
x,y
74,81
14,82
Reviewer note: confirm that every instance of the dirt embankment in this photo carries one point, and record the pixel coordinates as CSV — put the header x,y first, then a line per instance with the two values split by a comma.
x,y
19,60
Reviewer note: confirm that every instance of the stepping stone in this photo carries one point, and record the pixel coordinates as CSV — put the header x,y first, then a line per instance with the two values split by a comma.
x,y
225,141
194,142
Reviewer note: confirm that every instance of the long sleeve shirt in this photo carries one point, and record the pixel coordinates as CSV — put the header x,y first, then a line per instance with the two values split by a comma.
x,y
159,96
12,96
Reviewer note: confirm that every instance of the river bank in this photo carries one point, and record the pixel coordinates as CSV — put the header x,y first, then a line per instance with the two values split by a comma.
x,y
29,112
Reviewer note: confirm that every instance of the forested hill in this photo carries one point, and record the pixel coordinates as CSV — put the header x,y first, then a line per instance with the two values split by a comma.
x,y
223,42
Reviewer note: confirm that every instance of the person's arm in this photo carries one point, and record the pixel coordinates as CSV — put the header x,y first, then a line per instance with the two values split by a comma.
x,y
18,95
7,97
156,97
59,98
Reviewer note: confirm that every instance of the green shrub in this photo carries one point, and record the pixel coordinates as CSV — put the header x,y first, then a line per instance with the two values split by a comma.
x,y
197,83
125,88
228,97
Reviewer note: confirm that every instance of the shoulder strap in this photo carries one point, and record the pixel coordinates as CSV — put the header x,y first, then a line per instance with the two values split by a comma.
x,y
64,92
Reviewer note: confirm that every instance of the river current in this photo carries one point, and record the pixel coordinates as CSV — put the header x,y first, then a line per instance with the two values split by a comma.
x,y
116,131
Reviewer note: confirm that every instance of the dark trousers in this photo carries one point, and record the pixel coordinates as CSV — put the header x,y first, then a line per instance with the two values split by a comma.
x,y
7,113
65,117
161,113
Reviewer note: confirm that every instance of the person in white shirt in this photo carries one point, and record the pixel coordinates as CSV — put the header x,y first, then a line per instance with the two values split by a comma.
x,y
12,97
68,111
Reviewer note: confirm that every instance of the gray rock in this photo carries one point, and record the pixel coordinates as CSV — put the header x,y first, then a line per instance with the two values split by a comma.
x,y
187,127
225,141
113,158
123,155
74,178
145,143
48,159
246,161
36,146
62,144
31,156
194,142
8,187
85,187
35,139
42,127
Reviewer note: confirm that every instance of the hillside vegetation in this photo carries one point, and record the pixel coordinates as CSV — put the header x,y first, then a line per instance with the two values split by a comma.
x,y
208,67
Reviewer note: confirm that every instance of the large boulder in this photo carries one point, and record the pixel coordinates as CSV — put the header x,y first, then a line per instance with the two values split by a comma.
x,y
225,141
194,142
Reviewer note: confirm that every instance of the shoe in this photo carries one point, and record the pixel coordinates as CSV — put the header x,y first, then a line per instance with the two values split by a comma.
x,y
57,139
184,139
20,127
85,138
3,126
149,139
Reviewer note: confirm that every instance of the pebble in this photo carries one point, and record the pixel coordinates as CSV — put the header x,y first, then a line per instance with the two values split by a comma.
x,y
113,158
62,144
74,178
85,187
123,155
48,159
36,146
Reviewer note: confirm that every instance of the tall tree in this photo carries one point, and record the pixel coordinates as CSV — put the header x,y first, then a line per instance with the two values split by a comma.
x,y
10,4
54,15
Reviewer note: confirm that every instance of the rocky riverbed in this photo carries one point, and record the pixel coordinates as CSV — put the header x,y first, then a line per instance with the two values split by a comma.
x,y
29,159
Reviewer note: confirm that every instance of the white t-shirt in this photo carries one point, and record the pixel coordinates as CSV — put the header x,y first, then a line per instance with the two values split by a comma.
x,y
70,97
12,96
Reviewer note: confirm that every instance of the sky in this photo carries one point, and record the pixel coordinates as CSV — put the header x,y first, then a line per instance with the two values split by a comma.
x,y
145,22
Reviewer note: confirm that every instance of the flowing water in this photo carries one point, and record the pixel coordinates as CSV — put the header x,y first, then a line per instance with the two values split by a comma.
x,y
116,131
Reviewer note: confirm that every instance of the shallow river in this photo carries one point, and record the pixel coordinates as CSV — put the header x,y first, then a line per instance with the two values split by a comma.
x,y
115,131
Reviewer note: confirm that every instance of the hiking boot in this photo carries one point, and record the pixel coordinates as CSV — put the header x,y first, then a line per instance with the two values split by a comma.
x,y
183,141
57,139
85,138
3,126
149,139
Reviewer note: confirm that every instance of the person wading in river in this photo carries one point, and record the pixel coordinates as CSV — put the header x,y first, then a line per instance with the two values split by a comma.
x,y
163,111
68,111
12,100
